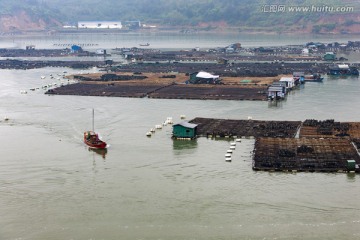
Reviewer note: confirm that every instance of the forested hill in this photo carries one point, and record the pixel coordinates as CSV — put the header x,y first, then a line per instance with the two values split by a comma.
x,y
243,15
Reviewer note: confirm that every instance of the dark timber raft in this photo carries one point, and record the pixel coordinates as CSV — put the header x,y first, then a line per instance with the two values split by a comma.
x,y
210,127
320,146
164,91
303,154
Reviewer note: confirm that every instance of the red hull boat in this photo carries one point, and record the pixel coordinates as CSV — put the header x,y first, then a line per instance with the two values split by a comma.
x,y
92,140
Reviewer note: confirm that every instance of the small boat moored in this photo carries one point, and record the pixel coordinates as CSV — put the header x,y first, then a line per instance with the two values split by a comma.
x,y
316,77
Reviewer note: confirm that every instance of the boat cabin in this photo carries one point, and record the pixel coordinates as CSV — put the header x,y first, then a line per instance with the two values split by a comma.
x,y
299,76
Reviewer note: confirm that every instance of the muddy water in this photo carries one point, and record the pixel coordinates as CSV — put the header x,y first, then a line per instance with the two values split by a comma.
x,y
53,187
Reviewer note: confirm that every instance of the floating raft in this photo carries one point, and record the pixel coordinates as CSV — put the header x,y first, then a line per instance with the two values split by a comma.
x,y
163,91
210,92
305,154
107,90
330,129
245,128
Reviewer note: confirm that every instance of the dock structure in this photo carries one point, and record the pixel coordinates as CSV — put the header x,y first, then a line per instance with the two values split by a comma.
x,y
305,154
245,128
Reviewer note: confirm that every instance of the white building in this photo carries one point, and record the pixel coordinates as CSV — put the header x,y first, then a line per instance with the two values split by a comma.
x,y
100,25
290,82
305,52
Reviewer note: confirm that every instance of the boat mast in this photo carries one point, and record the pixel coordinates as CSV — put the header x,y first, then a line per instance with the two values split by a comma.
x,y
93,120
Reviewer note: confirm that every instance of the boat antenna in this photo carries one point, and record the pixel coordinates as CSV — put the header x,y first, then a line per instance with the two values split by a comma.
x,y
93,120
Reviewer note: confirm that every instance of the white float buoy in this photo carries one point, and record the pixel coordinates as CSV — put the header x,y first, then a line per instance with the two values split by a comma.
x,y
232,147
228,155
232,144
229,151
148,134
238,140
182,116
228,159
6,118
169,120
152,130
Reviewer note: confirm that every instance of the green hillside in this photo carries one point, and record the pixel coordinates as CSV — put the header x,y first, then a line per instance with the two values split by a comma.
x,y
275,16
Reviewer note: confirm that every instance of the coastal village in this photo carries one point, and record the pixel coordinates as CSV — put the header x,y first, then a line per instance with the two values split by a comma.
x,y
227,73
169,119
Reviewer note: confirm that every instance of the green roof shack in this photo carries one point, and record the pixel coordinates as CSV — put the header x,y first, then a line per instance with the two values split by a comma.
x,y
329,56
184,130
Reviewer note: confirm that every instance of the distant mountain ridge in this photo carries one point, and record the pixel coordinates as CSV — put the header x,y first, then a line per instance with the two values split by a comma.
x,y
205,15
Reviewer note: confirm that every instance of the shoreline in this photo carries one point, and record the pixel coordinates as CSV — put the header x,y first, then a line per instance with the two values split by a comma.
x,y
168,30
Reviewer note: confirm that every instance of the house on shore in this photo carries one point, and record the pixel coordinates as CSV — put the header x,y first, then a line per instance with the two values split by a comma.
x,y
99,25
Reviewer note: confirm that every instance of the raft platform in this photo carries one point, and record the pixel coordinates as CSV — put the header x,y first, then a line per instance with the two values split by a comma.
x,y
304,154
163,91
312,145
210,127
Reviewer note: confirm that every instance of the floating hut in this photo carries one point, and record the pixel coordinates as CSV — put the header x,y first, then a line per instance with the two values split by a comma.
x,y
289,81
185,130
277,90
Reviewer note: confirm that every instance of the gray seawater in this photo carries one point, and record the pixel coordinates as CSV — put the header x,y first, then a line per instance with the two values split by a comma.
x,y
54,187
109,40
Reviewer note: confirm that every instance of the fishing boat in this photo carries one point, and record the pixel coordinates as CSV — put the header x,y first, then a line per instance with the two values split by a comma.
x,y
144,44
91,138
316,77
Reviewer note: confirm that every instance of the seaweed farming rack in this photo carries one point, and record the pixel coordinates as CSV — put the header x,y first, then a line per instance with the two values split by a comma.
x,y
312,145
